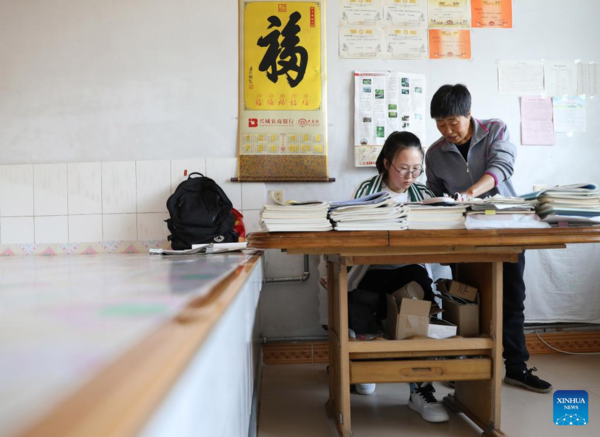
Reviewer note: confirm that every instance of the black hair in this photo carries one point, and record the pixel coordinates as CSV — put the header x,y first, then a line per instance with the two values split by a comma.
x,y
450,100
396,142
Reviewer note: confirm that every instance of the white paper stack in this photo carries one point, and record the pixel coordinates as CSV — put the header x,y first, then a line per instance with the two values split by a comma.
x,y
499,212
374,212
295,217
436,217
568,205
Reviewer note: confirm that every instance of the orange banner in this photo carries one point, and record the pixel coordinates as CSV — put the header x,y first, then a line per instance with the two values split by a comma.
x,y
491,14
449,44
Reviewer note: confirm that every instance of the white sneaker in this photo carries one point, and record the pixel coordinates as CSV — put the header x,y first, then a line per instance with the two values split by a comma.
x,y
366,389
363,389
424,402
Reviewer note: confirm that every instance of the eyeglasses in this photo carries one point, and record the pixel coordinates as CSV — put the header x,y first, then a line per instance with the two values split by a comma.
x,y
404,171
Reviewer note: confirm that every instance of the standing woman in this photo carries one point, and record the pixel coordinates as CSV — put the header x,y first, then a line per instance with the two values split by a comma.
x,y
399,164
476,159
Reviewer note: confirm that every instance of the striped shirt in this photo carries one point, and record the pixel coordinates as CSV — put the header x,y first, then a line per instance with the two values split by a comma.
x,y
417,192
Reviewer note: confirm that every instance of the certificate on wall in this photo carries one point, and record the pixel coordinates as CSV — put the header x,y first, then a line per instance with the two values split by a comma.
x,y
449,44
449,13
361,42
282,114
363,12
405,43
403,13
491,14
384,102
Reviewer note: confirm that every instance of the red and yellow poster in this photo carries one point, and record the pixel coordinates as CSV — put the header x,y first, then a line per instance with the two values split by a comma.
x,y
282,122
491,14
449,44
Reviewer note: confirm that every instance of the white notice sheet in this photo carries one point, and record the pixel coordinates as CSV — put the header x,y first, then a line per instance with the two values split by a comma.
x,y
520,78
588,78
569,114
560,78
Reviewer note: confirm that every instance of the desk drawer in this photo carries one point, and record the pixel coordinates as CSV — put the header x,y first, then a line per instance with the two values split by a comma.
x,y
420,370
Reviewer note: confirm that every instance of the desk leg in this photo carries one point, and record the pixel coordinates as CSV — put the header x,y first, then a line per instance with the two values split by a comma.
x,y
481,400
339,364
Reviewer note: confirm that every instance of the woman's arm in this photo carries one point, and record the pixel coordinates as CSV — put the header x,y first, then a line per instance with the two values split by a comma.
x,y
483,185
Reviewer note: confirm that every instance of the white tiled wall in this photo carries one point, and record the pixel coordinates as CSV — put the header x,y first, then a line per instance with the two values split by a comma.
x,y
153,185
85,228
50,189
16,191
51,229
108,201
16,230
118,187
117,227
85,188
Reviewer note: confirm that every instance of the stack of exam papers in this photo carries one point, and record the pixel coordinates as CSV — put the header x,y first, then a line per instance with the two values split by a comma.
x,y
500,212
568,205
204,249
373,212
295,217
436,217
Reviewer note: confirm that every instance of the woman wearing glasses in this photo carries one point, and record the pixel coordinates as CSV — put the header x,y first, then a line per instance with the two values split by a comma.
x,y
399,164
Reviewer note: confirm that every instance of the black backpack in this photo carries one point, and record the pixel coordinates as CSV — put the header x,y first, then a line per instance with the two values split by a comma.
x,y
200,213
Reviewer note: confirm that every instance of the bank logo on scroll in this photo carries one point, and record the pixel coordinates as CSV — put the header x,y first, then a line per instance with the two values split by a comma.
x,y
571,407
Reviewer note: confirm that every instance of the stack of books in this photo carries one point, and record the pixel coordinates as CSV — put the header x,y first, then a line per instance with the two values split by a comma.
x,y
295,217
568,205
374,212
436,217
499,212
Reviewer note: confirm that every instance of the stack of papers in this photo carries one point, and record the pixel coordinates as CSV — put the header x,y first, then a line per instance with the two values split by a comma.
x,y
569,205
374,212
499,212
203,249
436,217
295,217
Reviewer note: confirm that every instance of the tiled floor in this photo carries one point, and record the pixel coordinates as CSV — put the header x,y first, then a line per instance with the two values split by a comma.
x,y
293,399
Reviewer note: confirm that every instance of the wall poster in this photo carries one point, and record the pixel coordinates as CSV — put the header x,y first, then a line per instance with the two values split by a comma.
x,y
384,102
282,114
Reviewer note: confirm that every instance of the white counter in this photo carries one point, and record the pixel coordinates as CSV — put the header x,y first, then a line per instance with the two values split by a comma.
x,y
65,319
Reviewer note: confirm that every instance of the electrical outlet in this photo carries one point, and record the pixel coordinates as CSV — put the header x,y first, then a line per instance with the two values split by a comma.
x,y
277,195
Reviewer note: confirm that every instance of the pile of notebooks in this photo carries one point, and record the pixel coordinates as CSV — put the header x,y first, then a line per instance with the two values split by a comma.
x,y
374,212
295,217
499,212
436,217
568,205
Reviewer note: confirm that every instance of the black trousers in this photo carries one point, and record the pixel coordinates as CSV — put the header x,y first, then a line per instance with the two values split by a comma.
x,y
386,281
513,335
513,318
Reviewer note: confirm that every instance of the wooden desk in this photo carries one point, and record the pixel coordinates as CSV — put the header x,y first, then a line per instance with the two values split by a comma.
x,y
480,254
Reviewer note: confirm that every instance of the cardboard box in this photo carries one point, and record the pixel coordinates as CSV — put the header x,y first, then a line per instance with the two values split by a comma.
x,y
412,290
407,317
440,329
465,316
457,289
